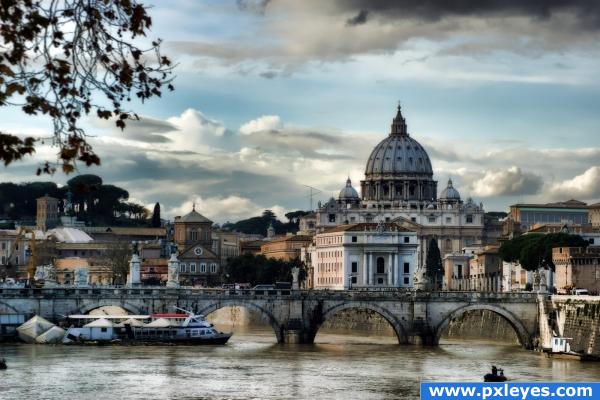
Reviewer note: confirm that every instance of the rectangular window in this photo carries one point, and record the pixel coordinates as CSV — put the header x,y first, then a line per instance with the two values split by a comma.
x,y
331,217
203,267
354,267
448,220
431,219
181,267
406,280
213,268
193,267
355,239
407,268
354,279
469,219
413,219
406,239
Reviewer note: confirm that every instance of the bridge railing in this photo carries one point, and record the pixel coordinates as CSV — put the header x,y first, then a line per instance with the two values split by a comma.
x,y
362,293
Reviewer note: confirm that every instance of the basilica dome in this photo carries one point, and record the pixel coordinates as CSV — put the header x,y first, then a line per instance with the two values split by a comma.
x,y
398,154
450,193
398,170
348,192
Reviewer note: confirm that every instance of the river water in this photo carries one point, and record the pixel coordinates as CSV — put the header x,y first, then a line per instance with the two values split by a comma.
x,y
252,365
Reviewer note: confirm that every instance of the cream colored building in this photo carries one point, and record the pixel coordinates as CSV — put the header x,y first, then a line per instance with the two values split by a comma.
x,y
399,186
364,255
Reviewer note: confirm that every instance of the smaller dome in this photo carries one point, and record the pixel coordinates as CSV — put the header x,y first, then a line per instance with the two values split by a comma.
x,y
348,192
449,193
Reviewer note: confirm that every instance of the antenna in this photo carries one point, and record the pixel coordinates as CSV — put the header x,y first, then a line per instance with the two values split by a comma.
x,y
312,192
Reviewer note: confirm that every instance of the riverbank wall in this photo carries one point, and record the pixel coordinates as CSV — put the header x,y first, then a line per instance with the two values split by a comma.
x,y
573,317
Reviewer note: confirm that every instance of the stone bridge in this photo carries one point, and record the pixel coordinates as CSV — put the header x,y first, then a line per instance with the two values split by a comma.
x,y
295,316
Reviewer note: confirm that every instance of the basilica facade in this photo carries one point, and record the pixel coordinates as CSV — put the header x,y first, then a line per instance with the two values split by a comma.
x,y
399,187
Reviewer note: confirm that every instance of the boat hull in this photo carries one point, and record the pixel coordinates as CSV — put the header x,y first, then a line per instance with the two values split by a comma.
x,y
221,339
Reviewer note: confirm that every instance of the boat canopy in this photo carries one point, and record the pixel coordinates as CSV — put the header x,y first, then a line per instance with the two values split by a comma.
x,y
51,336
130,321
99,323
161,323
87,316
33,328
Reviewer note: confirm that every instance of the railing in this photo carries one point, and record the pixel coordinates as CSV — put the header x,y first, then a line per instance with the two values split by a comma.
x,y
218,293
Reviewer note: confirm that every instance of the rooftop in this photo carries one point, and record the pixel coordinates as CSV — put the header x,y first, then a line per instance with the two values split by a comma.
x,y
368,227
560,204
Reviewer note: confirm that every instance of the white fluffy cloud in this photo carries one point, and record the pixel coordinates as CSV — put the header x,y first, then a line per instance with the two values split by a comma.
x,y
264,123
584,186
507,182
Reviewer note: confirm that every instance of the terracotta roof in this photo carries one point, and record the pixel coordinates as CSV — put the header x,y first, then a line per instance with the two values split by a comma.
x,y
367,226
294,238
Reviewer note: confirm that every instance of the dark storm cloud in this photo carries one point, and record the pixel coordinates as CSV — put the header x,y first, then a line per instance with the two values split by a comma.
x,y
587,11
358,19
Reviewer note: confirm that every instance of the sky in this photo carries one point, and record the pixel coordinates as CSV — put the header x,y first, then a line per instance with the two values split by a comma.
x,y
274,96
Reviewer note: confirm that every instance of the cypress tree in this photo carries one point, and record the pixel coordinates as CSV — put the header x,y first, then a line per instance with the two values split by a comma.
x,y
156,216
433,265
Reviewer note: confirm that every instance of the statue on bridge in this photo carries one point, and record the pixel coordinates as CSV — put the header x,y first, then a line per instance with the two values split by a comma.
x,y
46,273
81,277
173,271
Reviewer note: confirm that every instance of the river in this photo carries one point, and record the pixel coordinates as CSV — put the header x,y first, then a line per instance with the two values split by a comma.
x,y
341,365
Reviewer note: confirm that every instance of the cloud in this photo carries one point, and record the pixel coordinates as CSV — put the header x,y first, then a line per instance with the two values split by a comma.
x,y
358,19
507,182
264,123
584,186
587,12
146,129
254,6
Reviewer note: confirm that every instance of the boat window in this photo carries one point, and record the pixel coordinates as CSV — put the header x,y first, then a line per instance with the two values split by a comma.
x,y
195,331
202,332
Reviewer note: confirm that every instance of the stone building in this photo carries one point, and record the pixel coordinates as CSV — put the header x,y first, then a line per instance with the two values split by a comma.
x,y
286,247
364,255
456,271
199,265
594,215
399,187
47,212
226,245
577,268
523,217
485,270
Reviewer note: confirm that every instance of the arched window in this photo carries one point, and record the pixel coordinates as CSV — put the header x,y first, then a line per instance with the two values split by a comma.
x,y
194,235
380,265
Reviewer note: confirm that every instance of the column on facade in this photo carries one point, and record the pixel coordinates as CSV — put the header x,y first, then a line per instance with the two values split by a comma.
x,y
390,269
397,270
364,269
371,272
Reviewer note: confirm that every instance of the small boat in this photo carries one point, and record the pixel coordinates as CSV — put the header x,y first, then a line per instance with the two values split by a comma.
x,y
561,348
186,328
497,375
3,363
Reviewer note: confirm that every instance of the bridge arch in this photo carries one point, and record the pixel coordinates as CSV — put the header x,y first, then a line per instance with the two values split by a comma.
x,y
522,333
86,308
278,328
397,326
9,307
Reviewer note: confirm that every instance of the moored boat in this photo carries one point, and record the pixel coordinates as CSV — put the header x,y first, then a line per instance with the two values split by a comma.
x,y
185,328
561,348
497,375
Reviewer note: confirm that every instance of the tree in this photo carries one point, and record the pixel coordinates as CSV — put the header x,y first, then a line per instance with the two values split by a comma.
x,y
258,269
156,216
70,58
117,257
534,250
434,269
